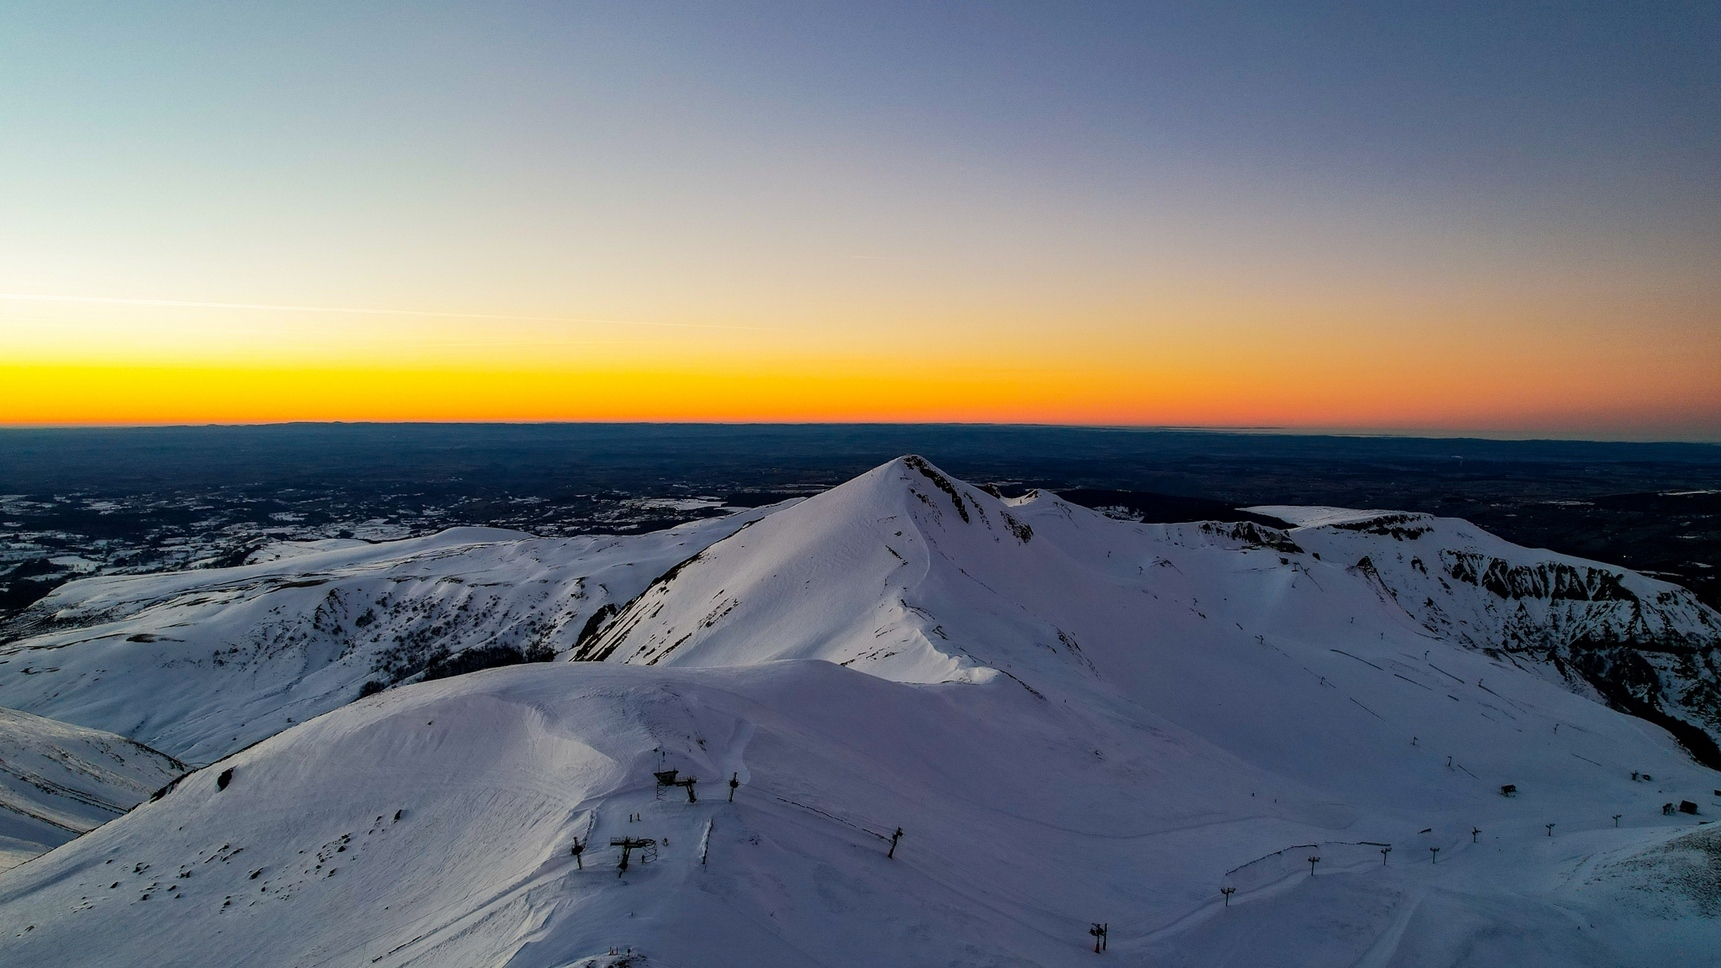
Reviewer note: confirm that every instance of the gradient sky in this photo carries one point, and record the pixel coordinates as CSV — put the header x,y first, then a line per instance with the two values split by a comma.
x,y
1496,218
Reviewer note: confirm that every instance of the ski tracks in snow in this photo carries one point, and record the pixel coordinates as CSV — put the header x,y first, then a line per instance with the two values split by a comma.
x,y
1380,954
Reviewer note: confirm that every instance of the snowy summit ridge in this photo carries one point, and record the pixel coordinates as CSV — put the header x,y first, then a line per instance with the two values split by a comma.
x,y
1390,738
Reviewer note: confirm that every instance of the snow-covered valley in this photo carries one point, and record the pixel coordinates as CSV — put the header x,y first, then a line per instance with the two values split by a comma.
x,y
1072,720
58,781
202,663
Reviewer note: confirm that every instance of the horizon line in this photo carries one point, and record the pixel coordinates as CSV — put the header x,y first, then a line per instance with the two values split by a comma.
x,y
1503,436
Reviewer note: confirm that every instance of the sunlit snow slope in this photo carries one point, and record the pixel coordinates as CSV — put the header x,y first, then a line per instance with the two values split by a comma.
x,y
1072,720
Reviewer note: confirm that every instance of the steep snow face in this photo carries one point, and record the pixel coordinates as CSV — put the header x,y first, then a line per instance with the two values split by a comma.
x,y
1647,647
201,663
58,781
837,577
909,574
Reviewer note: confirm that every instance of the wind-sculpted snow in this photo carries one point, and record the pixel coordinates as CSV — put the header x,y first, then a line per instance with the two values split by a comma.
x,y
1071,719
201,663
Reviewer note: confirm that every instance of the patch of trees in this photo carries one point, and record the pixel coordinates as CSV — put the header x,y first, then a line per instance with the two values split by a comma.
x,y
485,657
442,664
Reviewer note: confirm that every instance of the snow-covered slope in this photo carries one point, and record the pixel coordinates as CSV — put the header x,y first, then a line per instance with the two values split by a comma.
x,y
201,663
433,825
908,574
1645,646
1072,720
58,781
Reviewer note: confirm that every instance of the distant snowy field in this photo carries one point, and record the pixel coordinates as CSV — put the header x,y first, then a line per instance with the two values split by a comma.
x,y
1072,719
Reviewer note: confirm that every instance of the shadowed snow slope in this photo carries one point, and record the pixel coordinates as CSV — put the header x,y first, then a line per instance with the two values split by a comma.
x,y
1072,719
58,781
1645,646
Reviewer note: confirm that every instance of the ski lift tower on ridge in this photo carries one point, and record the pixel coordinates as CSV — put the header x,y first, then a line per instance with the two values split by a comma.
x,y
668,778
645,845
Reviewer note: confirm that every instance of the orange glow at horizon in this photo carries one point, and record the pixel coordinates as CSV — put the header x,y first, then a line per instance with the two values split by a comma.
x,y
1291,398
1361,358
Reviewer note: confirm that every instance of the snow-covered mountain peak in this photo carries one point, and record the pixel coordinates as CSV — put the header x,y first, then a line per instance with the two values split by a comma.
x,y
914,575
961,730
927,495
834,577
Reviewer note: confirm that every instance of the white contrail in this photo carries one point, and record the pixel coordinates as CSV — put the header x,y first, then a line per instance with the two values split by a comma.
x,y
270,307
